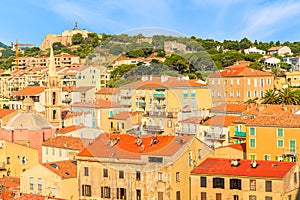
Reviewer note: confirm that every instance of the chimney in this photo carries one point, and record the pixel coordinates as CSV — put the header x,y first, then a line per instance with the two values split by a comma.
x,y
284,107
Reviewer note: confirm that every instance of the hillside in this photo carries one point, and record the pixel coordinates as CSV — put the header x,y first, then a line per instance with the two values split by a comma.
x,y
6,52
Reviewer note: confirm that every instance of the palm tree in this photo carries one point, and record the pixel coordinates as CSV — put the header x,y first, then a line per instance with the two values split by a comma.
x,y
270,97
288,97
252,101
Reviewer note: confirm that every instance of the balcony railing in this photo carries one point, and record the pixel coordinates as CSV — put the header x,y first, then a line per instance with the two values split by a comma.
x,y
159,95
141,104
215,137
239,134
153,128
126,95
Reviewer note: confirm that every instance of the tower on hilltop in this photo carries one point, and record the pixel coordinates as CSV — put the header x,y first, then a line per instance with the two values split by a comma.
x,y
53,91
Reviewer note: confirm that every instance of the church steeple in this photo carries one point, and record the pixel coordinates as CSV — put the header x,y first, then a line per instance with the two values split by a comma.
x,y
52,67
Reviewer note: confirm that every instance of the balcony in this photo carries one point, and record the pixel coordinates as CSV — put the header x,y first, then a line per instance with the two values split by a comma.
x,y
67,100
140,94
160,105
126,95
141,104
220,137
159,95
125,103
239,134
153,129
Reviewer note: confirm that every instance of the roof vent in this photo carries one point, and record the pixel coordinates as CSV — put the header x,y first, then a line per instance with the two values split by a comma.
x,y
253,164
235,163
67,173
113,142
112,154
54,165
274,165
154,141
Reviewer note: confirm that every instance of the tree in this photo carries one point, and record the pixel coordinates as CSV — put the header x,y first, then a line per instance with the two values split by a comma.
x,y
77,38
252,101
270,97
245,43
256,65
288,97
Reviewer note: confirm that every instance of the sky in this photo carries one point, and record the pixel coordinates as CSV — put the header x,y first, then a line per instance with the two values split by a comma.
x,y
264,20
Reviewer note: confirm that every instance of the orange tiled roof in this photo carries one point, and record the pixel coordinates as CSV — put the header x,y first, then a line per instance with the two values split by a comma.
x,y
222,166
34,197
269,109
127,148
99,103
286,121
240,147
193,120
233,108
68,142
65,169
30,91
220,120
10,182
108,91
171,82
68,129
239,71
275,48
83,88
124,115
5,112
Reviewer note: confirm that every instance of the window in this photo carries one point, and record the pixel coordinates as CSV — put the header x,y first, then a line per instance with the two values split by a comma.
x,y
249,94
138,194
218,183
169,124
47,150
105,192
225,82
40,184
185,101
31,183
121,193
199,153
293,146
59,152
255,82
160,195
268,198
231,93
123,125
86,171
105,172
268,81
231,81
121,174
235,197
252,197
177,195
202,181
177,177
53,191
252,143
218,196
261,82
268,186
280,132
252,131
261,94
219,81
235,184
212,81
53,151
8,160
138,175
252,185
225,94
86,190
193,93
295,177
213,93
279,158
267,157
160,176
238,94
238,81
203,195
185,93
280,143
255,93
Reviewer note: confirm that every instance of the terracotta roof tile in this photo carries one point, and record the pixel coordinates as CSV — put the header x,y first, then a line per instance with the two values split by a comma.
x,y
171,82
83,88
108,91
126,147
99,103
68,142
220,120
64,169
34,197
30,91
222,166
5,112
68,129
286,121
229,108
269,109
275,48
240,147
124,115
10,182
193,120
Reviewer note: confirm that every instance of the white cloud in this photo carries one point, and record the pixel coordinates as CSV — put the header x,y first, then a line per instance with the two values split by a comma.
x,y
263,21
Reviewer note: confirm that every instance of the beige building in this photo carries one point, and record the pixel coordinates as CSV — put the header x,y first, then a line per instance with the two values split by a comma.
x,y
280,50
92,76
231,151
125,122
122,166
238,83
54,179
16,158
219,178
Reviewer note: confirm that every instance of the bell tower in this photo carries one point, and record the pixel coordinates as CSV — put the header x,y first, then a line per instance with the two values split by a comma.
x,y
53,92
